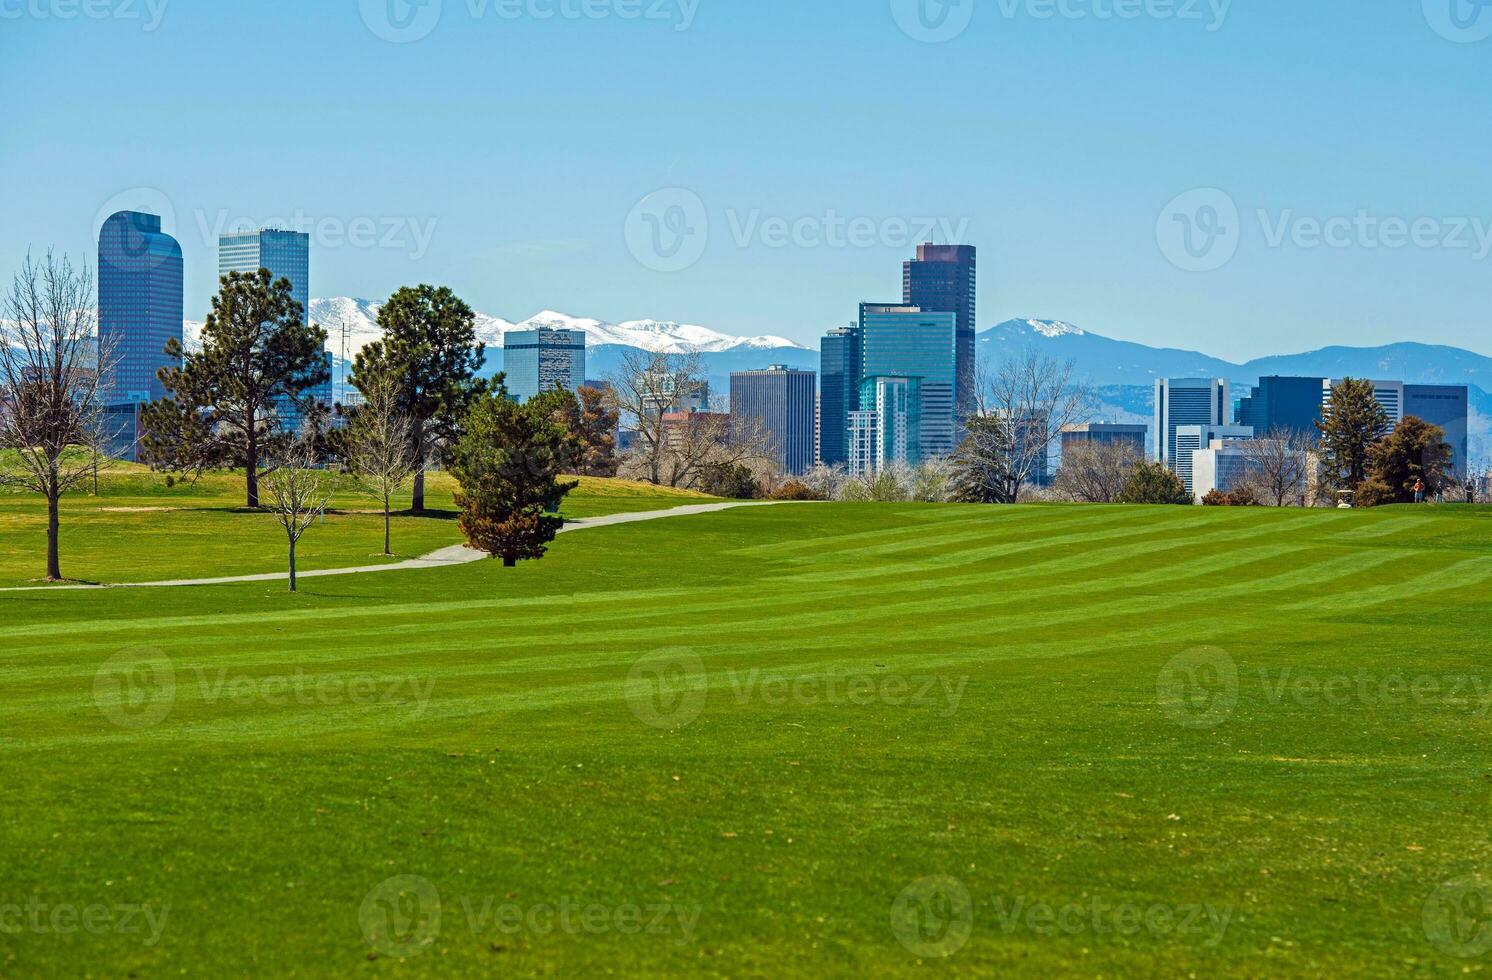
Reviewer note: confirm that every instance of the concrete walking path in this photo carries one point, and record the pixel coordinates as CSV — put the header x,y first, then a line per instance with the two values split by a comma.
x,y
458,554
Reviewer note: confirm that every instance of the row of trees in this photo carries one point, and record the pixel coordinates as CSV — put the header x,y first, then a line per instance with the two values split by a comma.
x,y
423,402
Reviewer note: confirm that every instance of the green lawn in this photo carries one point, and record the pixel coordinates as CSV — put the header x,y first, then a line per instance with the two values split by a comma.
x,y
138,529
801,740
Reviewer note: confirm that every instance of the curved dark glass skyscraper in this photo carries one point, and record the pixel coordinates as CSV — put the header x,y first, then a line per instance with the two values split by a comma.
x,y
139,302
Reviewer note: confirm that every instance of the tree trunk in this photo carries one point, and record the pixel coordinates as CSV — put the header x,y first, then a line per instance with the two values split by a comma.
x,y
509,561
292,566
54,565
251,471
386,521
417,505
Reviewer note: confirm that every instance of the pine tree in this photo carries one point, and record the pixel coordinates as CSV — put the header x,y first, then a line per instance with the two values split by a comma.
x,y
429,351
1350,424
257,353
508,463
1415,451
1154,483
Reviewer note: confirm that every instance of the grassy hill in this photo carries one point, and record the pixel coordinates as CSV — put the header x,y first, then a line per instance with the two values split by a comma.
x,y
138,529
799,740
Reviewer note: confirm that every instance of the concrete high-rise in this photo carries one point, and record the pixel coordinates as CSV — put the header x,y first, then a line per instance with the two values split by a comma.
x,y
781,400
140,304
900,341
1104,434
944,279
1186,401
1189,439
839,386
543,360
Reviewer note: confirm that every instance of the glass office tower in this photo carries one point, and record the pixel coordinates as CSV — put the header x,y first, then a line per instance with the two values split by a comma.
x,y
287,255
139,303
943,279
543,360
908,342
839,394
139,311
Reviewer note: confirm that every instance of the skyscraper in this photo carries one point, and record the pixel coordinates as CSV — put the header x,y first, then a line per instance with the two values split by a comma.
x,y
900,341
1186,401
1188,439
139,311
943,279
1104,434
139,303
1280,405
781,400
885,429
1447,407
287,255
542,360
839,381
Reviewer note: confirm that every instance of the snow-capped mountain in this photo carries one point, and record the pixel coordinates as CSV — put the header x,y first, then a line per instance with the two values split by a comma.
x,y
360,317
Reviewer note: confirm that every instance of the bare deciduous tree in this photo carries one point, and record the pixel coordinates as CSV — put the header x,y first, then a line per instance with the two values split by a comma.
x,y
1023,406
380,448
299,491
1096,472
651,394
54,377
1279,467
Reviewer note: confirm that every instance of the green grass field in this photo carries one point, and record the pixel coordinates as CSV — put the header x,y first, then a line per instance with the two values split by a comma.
x,y
140,530
879,740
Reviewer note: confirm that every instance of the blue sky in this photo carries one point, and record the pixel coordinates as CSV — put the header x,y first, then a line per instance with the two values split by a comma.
x,y
798,148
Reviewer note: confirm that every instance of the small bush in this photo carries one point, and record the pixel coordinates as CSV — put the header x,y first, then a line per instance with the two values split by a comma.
x,y
1375,493
795,490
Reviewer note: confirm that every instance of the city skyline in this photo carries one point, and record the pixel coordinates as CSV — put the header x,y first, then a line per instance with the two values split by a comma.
x,y
1078,193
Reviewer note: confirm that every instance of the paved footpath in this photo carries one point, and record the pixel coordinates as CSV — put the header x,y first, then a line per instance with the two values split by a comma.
x,y
458,554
